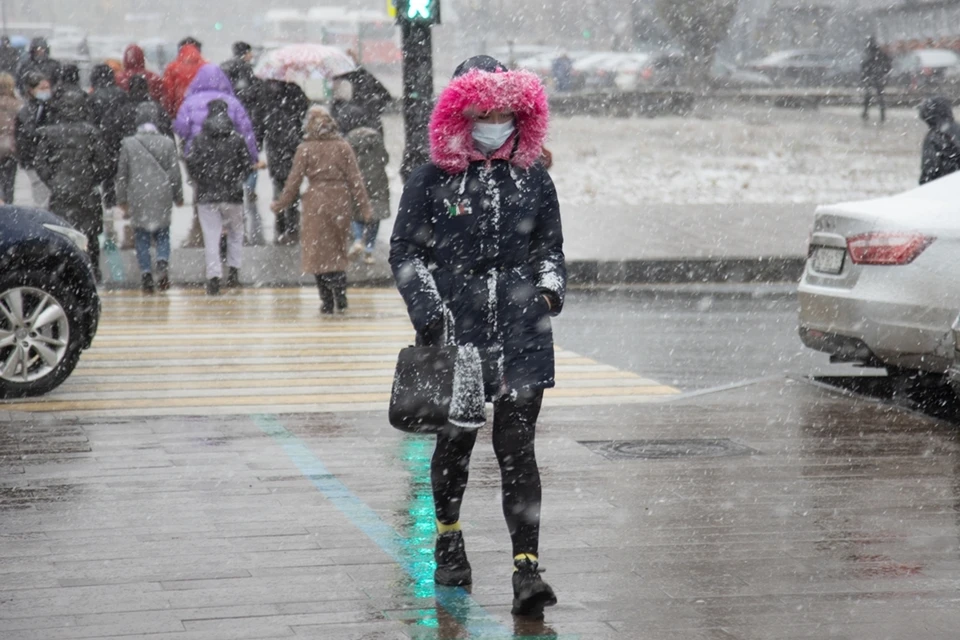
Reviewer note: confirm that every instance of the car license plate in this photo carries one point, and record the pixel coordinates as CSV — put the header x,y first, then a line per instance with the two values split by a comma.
x,y
828,259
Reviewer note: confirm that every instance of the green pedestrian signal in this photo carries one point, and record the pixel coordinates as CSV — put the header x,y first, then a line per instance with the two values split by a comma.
x,y
418,11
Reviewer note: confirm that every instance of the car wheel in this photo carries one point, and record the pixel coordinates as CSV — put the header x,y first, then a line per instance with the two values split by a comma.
x,y
40,334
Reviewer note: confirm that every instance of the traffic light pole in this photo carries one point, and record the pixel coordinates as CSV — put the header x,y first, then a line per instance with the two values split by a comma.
x,y
417,94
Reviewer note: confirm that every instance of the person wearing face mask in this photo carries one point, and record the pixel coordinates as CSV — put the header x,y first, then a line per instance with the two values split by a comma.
x,y
33,115
478,235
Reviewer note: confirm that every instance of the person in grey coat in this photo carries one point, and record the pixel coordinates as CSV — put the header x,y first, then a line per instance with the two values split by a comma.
x,y
148,186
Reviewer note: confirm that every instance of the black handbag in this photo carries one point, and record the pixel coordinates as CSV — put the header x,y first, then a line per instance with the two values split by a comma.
x,y
430,380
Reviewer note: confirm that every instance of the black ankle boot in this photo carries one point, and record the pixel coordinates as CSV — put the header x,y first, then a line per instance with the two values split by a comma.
x,y
213,287
163,277
233,278
453,568
530,593
146,283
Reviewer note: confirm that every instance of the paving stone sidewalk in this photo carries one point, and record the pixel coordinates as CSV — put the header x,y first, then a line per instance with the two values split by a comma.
x,y
771,511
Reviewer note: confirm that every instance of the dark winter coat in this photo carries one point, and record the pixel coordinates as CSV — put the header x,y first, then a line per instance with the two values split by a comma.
x,y
372,158
876,64
287,106
47,67
71,160
482,236
105,95
210,84
219,161
9,59
120,120
68,92
941,146
33,115
370,95
249,91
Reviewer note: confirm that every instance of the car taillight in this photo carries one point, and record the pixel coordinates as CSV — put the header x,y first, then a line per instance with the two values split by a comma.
x,y
646,73
887,248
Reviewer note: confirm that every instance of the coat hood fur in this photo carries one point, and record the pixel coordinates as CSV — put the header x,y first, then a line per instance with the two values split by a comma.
x,y
451,141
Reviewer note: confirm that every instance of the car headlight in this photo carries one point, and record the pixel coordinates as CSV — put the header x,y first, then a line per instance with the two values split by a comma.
x,y
78,238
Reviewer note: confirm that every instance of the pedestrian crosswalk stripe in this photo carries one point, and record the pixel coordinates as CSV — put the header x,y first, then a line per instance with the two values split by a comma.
x,y
270,351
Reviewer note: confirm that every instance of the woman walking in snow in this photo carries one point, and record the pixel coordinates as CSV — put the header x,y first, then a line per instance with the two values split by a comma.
x,y
478,233
334,195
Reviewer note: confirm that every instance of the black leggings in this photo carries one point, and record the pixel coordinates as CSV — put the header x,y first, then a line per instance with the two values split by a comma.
x,y
514,427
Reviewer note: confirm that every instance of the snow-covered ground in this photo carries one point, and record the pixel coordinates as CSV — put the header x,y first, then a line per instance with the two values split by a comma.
x,y
718,155
736,154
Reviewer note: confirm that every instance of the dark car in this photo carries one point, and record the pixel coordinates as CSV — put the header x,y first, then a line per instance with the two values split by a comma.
x,y
49,307
798,67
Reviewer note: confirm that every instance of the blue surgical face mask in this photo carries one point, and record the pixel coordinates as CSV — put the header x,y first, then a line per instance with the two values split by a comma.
x,y
489,137
42,96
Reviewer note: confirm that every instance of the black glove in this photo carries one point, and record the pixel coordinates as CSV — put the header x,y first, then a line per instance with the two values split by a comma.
x,y
432,334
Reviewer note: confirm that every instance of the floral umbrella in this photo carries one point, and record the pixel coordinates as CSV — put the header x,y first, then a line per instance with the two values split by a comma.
x,y
300,63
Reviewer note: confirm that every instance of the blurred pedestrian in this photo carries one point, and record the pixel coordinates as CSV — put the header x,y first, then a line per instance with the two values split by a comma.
x,y
250,92
72,161
120,121
38,59
334,196
106,96
218,163
874,69
34,114
148,186
9,56
286,109
372,158
368,93
941,146
104,93
69,85
179,74
562,69
210,84
10,107
478,235
135,64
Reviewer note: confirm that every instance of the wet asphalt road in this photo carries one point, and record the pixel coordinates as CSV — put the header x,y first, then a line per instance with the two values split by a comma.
x,y
693,338
761,505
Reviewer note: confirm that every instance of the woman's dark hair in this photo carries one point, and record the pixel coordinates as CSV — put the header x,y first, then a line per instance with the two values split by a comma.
x,y
483,63
102,76
190,40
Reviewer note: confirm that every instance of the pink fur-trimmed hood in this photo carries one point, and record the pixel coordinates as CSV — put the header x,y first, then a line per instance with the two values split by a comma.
x,y
451,140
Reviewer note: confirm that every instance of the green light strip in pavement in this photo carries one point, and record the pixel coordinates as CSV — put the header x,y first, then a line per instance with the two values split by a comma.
x,y
456,611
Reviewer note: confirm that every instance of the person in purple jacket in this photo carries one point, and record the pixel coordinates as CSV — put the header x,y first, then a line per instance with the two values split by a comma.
x,y
210,84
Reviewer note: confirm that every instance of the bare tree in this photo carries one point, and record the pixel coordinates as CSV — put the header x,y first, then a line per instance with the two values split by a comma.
x,y
700,26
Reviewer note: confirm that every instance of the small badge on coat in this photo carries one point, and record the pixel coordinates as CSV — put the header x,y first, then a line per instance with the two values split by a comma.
x,y
457,209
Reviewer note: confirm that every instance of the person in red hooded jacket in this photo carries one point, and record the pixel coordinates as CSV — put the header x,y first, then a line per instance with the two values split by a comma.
x,y
135,64
179,74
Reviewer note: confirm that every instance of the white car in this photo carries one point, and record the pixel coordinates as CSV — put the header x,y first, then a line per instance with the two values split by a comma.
x,y
882,279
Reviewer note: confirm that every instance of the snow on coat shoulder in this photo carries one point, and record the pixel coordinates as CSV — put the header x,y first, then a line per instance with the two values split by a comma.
x,y
451,141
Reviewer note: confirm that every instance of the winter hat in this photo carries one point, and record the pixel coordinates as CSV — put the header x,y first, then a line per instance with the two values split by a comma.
x,y
217,108
320,125
483,63
139,88
32,79
147,113
191,41
70,74
241,49
936,110
102,76
350,116
483,84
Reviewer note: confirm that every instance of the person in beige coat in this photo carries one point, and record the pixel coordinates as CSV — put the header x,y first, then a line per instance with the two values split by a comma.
x,y
335,195
10,106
